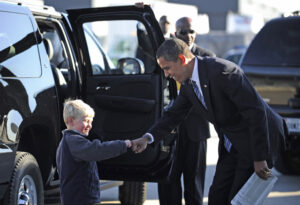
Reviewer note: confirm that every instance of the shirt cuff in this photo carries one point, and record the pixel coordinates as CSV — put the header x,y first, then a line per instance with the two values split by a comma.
x,y
149,136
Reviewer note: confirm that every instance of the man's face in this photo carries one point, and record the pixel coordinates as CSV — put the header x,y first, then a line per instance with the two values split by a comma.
x,y
186,33
175,70
81,124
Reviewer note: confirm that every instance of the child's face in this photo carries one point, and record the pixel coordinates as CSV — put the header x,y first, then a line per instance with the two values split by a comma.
x,y
81,124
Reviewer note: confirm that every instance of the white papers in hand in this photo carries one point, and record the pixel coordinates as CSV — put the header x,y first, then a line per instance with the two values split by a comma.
x,y
254,191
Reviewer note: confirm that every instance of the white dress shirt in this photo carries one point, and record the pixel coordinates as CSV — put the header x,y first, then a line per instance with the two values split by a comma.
x,y
195,77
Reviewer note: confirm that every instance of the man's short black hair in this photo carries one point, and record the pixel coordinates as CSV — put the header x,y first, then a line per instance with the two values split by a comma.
x,y
170,49
164,19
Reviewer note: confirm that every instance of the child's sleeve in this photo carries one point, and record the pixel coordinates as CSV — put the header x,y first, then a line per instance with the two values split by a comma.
x,y
83,149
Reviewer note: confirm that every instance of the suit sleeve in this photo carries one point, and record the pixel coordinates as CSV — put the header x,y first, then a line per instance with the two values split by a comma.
x,y
83,149
172,117
250,106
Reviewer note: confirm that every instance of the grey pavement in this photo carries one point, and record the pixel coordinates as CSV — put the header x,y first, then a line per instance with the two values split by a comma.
x,y
285,191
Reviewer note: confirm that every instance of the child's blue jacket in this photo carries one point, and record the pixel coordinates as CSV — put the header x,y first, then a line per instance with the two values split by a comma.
x,y
77,168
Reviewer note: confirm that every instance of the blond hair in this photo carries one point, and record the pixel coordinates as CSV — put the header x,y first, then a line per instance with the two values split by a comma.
x,y
76,109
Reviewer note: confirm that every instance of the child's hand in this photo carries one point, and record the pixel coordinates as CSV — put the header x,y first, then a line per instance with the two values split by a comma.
x,y
128,143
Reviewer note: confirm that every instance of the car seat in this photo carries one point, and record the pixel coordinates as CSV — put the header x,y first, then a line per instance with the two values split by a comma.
x,y
60,80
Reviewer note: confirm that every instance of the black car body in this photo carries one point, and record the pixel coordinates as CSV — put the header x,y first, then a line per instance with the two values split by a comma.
x,y
235,54
47,57
272,64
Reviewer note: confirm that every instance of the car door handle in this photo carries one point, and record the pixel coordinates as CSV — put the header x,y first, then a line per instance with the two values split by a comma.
x,y
98,88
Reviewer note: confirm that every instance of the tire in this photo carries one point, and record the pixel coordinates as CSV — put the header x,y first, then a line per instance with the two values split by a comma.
x,y
26,184
133,193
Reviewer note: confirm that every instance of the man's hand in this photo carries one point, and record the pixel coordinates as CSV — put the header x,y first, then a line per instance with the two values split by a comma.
x,y
262,170
139,4
139,144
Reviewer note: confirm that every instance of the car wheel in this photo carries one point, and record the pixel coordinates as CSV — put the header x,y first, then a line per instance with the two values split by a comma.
x,y
133,193
26,185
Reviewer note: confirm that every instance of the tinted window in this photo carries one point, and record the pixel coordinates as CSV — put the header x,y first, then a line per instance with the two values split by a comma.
x,y
55,47
234,58
18,47
277,44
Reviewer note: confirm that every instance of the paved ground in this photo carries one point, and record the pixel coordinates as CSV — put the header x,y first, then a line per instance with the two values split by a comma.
x,y
285,191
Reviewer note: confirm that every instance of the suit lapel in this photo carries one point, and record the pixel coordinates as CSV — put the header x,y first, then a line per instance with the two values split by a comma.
x,y
204,83
194,99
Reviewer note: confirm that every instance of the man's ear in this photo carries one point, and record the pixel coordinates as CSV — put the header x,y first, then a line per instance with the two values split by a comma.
x,y
182,59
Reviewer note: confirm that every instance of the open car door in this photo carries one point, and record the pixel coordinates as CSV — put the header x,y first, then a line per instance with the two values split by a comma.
x,y
124,84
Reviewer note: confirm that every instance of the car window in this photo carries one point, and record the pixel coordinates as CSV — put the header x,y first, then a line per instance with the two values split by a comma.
x,y
18,44
95,54
110,41
99,61
58,58
57,48
276,44
234,58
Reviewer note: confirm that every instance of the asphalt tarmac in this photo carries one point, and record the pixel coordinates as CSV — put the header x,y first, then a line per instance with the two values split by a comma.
x,y
285,191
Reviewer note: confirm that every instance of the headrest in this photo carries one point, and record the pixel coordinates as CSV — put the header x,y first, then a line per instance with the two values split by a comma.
x,y
49,47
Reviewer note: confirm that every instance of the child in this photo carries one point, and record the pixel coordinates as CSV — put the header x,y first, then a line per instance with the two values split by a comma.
x,y
76,156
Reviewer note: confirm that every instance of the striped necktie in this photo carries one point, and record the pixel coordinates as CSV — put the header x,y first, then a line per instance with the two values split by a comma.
x,y
198,93
227,143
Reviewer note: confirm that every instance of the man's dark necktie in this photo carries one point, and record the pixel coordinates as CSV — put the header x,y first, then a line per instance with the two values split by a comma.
x,y
227,143
198,93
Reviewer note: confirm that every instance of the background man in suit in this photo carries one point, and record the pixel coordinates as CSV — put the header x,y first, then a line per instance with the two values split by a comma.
x,y
186,32
165,25
192,142
248,129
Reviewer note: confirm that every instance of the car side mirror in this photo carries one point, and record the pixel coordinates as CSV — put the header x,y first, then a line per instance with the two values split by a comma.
x,y
131,66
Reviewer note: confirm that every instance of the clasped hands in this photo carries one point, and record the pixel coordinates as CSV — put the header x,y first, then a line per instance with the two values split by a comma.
x,y
138,145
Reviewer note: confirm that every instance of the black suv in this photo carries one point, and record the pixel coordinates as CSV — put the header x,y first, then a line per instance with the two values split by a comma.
x,y
272,64
46,57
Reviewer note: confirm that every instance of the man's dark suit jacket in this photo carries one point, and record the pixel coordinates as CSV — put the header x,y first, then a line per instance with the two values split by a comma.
x,y
234,107
196,126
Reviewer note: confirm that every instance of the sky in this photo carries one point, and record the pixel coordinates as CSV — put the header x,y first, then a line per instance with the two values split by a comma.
x,y
283,5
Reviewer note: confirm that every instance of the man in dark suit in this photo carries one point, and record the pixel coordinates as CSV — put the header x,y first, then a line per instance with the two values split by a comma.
x,y
248,129
165,25
192,141
186,32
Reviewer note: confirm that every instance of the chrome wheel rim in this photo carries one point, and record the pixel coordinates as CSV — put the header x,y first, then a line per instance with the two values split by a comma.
x,y
27,194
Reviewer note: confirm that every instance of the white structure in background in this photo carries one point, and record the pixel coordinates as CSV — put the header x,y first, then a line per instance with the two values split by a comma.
x,y
172,10
114,33
253,14
268,9
31,2
236,23
176,11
